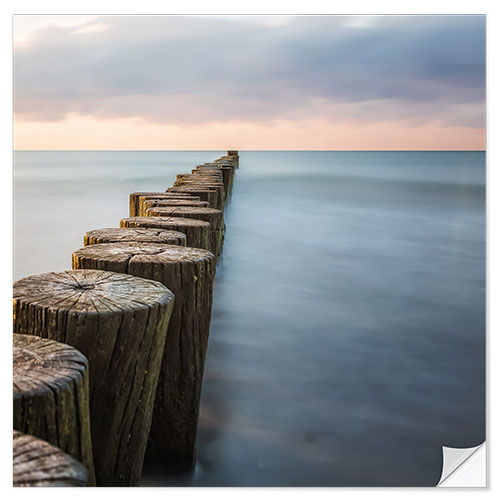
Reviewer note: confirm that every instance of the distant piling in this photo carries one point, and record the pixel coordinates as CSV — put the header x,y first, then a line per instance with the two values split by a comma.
x,y
233,156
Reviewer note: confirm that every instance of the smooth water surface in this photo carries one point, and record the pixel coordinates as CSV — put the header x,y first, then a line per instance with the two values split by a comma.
x,y
348,332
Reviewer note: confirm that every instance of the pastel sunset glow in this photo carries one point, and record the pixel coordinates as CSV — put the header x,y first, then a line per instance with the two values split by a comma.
x,y
249,82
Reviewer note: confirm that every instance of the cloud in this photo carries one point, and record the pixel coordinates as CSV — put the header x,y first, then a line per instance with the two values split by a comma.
x,y
174,69
90,28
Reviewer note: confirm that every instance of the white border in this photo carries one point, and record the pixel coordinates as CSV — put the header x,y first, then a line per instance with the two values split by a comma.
x,y
245,7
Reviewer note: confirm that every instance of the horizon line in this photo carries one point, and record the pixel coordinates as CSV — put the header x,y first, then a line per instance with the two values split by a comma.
x,y
257,150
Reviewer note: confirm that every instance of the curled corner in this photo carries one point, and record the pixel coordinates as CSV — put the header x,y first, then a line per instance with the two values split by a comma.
x,y
464,467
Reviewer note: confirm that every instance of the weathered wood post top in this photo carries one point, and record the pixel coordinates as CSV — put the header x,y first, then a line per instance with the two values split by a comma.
x,y
138,234
38,463
197,231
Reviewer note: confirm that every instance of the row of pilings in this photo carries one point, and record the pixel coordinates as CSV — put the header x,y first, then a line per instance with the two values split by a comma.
x,y
109,356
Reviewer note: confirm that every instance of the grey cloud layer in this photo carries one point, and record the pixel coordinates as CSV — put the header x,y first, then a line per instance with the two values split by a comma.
x,y
178,69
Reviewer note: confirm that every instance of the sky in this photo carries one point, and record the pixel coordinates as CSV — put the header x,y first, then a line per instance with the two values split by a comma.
x,y
249,82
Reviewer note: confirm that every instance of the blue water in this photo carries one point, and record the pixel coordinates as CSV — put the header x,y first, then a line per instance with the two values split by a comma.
x,y
348,334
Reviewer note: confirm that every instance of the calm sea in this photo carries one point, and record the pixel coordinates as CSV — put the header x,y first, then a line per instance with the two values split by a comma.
x,y
348,334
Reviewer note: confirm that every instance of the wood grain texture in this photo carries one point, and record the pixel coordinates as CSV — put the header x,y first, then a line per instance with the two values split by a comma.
x,y
203,173
221,171
211,215
217,187
164,197
119,323
189,273
205,194
213,175
199,181
51,396
38,463
210,167
145,235
169,203
197,231
134,199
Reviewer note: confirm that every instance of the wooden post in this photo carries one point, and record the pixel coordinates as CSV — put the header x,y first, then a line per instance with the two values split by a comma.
x,y
218,197
227,178
203,176
198,182
38,463
189,273
212,176
205,194
228,161
159,202
234,155
211,215
119,323
212,171
162,196
51,396
121,234
135,197
221,171
197,231
218,187
221,162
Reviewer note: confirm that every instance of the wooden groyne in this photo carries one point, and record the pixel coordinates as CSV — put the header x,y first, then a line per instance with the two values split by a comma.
x,y
137,306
